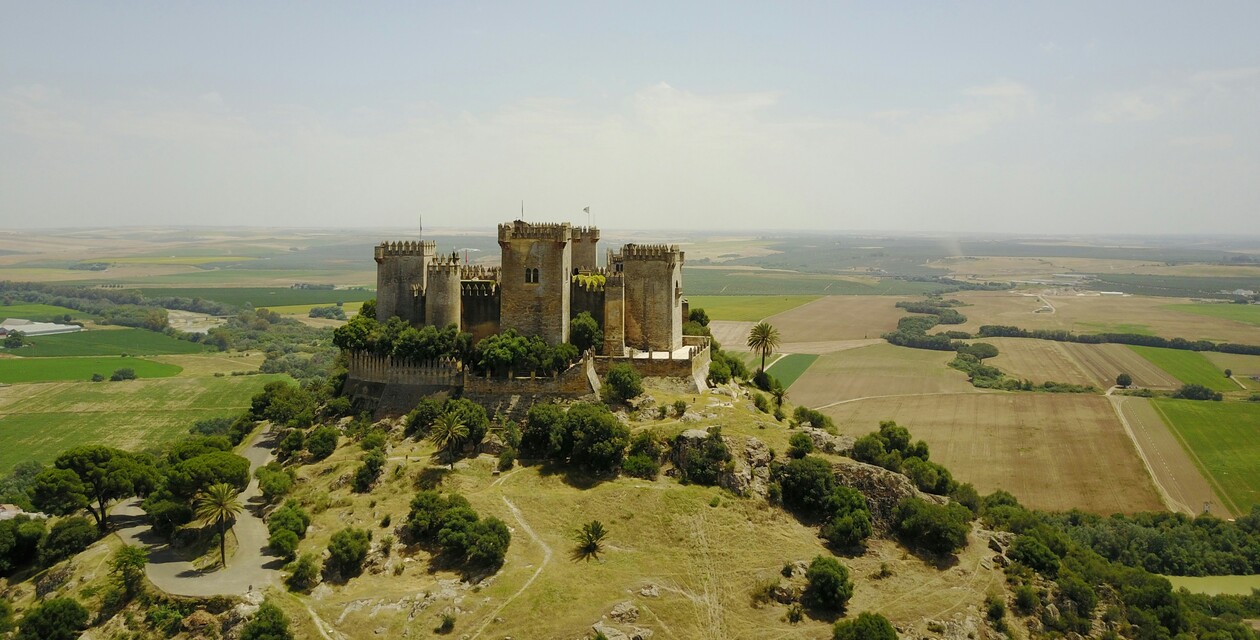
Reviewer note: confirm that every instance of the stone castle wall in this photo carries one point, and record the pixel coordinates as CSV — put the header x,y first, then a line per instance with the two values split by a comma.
x,y
653,297
443,297
480,302
536,308
400,279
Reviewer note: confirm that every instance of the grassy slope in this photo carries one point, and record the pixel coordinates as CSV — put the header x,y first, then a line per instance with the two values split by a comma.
x,y
1246,313
1190,367
37,421
790,367
14,370
746,308
1223,438
107,343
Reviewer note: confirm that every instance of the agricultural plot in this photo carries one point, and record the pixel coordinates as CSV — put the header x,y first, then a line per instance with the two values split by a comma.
x,y
1223,439
789,368
811,328
1246,369
1052,451
878,370
746,308
1106,361
41,313
134,342
17,370
38,421
1178,477
1244,313
1042,360
751,281
262,296
1190,367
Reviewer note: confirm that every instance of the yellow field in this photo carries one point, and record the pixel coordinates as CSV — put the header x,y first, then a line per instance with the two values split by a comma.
x,y
350,308
211,363
810,327
1053,451
1096,364
1106,361
878,370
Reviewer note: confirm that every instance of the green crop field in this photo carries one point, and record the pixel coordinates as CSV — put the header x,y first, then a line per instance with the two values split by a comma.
x,y
790,367
745,282
1245,313
1190,367
39,421
40,312
1223,439
746,308
134,342
13,370
262,296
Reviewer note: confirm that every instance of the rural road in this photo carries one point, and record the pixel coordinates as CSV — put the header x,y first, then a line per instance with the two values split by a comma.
x,y
249,567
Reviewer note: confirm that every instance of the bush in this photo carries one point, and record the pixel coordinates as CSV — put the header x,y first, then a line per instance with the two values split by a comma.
x,y
816,419
67,538
321,442
289,517
507,458
621,384
284,543
1026,599
641,466
829,587
704,462
125,373
599,438
274,481
422,417
761,402
346,551
1031,553
936,528
303,573
867,626
1197,392
269,623
995,608
96,377
680,408
369,471
764,381
56,619
451,523
800,445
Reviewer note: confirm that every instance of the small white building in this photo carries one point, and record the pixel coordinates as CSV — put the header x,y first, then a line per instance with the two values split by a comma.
x,y
30,329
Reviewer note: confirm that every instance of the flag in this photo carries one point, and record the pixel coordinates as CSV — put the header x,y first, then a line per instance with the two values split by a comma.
x,y
587,210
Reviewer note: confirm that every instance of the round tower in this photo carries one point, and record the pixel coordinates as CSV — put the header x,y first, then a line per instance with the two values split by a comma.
x,y
442,297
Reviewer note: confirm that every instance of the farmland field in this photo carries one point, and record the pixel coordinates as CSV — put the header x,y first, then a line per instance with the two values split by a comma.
x,y
746,308
350,308
1183,484
709,281
1190,367
836,318
135,342
1051,451
878,370
40,312
1244,367
1245,313
1042,360
789,368
1106,361
1214,585
37,421
1223,438
262,296
13,370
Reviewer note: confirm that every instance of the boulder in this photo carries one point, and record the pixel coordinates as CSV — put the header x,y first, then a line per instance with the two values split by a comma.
x,y
883,489
199,622
650,591
827,442
624,612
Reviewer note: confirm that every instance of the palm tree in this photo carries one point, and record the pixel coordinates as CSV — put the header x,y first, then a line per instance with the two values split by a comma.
x,y
590,540
218,504
764,338
448,432
779,393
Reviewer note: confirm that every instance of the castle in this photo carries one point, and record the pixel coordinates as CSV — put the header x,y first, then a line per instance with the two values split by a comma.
x,y
548,275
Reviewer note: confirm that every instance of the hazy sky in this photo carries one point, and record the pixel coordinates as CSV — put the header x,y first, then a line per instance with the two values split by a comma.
x,y
1003,116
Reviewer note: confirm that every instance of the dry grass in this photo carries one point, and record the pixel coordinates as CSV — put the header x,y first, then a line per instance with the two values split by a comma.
x,y
1042,360
1106,361
1052,451
838,318
208,364
878,370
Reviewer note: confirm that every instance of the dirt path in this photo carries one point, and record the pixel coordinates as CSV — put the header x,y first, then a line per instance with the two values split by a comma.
x,y
250,567
900,395
520,519
1180,484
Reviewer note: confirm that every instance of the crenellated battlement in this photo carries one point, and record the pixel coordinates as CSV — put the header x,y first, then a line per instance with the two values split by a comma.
x,y
446,265
519,229
650,252
479,272
586,233
479,288
419,248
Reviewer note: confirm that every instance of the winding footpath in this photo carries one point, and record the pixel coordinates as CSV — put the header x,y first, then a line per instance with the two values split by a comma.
x,y
250,567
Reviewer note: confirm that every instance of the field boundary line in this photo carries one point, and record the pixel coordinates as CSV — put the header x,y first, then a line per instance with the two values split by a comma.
x,y
1216,485
902,395
1164,495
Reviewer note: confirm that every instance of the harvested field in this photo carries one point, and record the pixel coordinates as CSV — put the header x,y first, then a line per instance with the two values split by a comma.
x,y
1052,451
746,308
1223,438
1106,361
1042,360
733,336
835,319
1169,462
1096,314
1246,369
1190,367
878,370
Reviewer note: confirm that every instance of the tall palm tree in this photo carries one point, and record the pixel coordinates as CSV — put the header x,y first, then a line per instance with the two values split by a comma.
x,y
218,504
448,432
764,338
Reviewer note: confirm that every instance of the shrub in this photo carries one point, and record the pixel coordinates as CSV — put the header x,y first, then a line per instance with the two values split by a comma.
x,y
829,587
761,402
936,528
447,625
422,417
704,462
800,445
816,419
269,623
67,538
1026,599
290,517
764,381
303,573
322,442
641,466
56,619
125,373
867,626
284,543
274,481
1031,553
96,377
507,458
369,471
680,407
1197,392
346,551
599,438
995,608
621,384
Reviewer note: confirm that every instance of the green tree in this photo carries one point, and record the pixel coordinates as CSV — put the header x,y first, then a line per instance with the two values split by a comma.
x,y
321,442
56,619
622,383
127,564
303,573
867,626
59,492
590,540
66,538
763,339
599,438
14,340
218,504
269,623
937,528
107,474
698,316
1124,380
190,477
584,332
346,551
447,434
829,587
800,445
778,393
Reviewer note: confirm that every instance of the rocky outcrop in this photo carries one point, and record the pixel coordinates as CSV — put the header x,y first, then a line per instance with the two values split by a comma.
x,y
883,489
828,443
747,473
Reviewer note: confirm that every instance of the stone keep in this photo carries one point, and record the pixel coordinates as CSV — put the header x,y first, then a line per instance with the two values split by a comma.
x,y
535,278
653,296
401,268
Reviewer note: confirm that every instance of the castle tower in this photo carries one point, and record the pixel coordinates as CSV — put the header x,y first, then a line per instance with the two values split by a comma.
x,y
614,315
535,276
442,295
400,279
653,296
585,247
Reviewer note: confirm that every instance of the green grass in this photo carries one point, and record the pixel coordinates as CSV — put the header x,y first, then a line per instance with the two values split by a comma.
x,y
1215,585
746,308
1245,313
115,342
1190,367
262,296
1223,438
14,370
790,367
37,422
40,312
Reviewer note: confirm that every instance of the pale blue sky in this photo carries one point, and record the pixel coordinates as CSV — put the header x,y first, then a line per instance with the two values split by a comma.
x,y
1014,117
